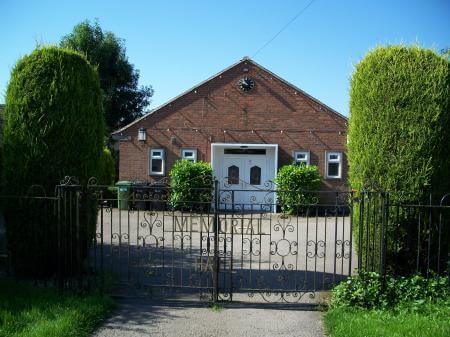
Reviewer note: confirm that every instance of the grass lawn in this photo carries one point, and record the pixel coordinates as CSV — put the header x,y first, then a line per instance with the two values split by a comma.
x,y
40,312
352,322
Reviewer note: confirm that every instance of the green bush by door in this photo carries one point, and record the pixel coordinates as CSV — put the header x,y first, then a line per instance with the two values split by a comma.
x,y
191,185
296,184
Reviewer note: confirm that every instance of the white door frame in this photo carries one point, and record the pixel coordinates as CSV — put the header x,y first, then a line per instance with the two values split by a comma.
x,y
217,153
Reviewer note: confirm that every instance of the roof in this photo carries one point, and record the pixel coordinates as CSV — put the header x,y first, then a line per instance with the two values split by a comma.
x,y
244,59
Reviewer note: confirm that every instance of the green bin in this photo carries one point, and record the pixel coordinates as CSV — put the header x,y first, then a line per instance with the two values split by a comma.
x,y
123,193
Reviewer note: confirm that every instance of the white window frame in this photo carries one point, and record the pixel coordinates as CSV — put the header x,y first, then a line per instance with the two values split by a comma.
x,y
328,160
153,156
306,153
184,157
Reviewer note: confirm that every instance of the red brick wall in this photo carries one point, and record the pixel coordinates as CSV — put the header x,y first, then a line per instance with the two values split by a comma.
x,y
273,112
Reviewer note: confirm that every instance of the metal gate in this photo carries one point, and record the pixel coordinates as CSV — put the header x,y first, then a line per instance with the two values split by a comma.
x,y
272,245
220,249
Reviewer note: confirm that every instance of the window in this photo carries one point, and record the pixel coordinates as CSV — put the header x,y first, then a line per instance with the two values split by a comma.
x,y
233,175
189,154
156,162
301,157
334,164
255,175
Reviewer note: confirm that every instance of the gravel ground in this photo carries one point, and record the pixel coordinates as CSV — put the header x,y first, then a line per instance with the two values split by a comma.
x,y
137,317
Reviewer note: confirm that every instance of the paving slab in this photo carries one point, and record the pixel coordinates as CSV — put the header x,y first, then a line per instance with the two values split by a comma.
x,y
136,317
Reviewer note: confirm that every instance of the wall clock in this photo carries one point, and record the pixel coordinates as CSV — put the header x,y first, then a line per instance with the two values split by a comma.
x,y
246,84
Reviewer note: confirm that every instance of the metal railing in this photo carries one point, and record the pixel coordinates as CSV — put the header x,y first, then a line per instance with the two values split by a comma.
x,y
227,243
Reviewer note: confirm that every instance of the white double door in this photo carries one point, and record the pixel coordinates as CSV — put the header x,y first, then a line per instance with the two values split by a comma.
x,y
245,177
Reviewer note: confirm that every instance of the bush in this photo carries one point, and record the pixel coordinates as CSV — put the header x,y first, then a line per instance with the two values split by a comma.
x,y
191,185
53,123
399,122
398,131
370,291
107,175
295,186
53,127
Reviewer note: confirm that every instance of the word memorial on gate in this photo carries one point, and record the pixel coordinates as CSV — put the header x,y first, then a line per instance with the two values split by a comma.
x,y
205,224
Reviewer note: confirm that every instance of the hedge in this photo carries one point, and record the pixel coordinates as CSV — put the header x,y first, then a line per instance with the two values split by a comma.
x,y
399,122
296,184
399,132
191,185
53,127
107,171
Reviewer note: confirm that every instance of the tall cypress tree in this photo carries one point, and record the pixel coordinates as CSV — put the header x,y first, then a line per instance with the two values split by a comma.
x,y
53,127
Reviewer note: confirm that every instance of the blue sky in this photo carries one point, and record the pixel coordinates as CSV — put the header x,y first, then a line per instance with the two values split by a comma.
x,y
176,44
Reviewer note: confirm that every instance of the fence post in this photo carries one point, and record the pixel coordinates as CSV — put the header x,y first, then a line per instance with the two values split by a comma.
x,y
216,243
351,235
79,244
361,229
336,211
384,219
59,257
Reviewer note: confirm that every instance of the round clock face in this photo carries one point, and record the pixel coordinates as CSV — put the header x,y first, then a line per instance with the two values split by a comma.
x,y
246,84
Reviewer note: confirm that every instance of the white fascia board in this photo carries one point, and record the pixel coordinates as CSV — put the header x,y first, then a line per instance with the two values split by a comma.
x,y
238,145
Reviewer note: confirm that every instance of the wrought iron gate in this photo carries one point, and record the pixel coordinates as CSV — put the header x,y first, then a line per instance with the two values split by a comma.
x,y
223,250
273,246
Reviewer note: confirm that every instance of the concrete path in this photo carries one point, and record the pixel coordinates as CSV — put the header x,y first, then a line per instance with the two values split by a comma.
x,y
137,317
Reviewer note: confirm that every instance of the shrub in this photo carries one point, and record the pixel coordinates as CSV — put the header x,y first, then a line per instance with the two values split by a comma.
x,y
191,185
398,130
399,122
107,171
53,123
363,290
295,186
370,291
53,127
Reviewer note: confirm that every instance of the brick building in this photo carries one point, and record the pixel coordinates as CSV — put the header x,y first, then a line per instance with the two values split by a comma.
x,y
247,122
